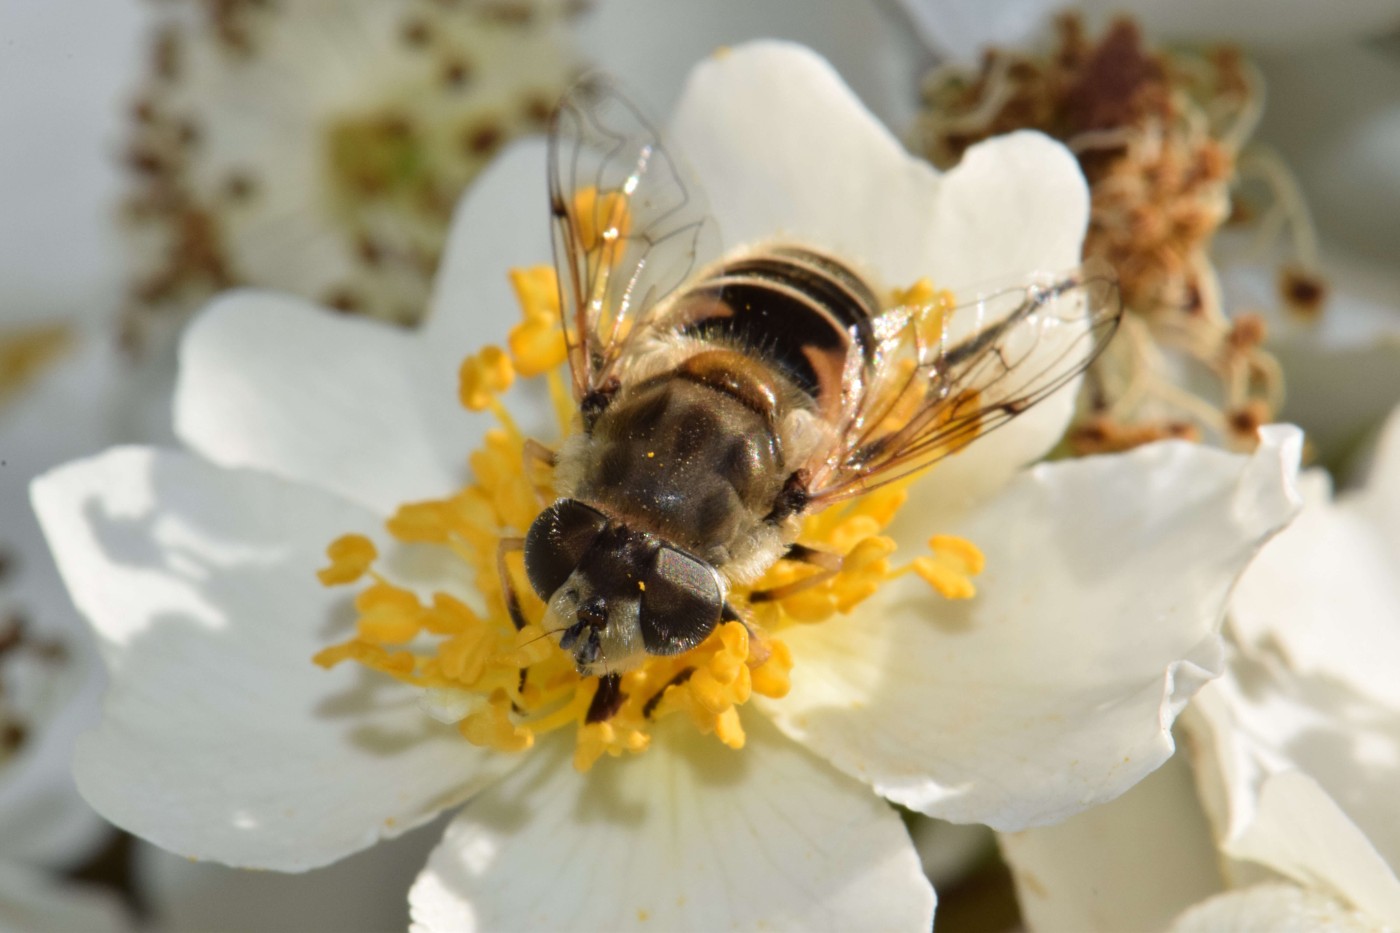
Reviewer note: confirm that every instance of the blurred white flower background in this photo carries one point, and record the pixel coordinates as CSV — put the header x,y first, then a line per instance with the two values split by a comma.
x,y
1170,740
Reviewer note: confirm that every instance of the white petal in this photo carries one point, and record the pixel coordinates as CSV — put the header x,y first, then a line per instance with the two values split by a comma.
x,y
872,48
1272,908
271,382
220,739
784,150
962,28
1055,688
1326,592
34,902
689,836
1299,830
364,893
502,223
1298,773
1132,864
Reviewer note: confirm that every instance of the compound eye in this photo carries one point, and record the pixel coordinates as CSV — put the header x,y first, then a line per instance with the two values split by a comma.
x,y
681,603
557,541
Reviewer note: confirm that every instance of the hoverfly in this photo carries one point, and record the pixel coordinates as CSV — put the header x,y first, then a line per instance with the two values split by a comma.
x,y
720,400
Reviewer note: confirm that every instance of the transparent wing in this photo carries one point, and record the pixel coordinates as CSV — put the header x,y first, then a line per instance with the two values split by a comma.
x,y
629,226
935,378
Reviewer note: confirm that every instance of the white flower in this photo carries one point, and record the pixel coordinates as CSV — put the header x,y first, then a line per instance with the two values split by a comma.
x,y
50,678
319,147
1053,690
1295,751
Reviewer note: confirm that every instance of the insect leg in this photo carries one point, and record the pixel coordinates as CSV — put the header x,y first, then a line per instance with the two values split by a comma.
x,y
607,699
537,453
534,450
828,565
507,546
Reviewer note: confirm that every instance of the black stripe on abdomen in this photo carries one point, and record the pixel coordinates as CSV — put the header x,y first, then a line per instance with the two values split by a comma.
x,y
798,309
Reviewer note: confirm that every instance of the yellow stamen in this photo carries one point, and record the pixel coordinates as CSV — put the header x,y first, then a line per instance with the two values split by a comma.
x,y
351,556
536,343
493,727
388,615
950,570
483,377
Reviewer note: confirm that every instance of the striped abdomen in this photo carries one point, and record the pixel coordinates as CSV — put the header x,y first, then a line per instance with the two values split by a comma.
x,y
798,310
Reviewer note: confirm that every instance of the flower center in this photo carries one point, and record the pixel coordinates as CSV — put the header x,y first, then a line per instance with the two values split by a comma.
x,y
379,156
505,686
367,158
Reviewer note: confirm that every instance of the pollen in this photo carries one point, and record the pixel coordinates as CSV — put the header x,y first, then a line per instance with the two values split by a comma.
x,y
504,687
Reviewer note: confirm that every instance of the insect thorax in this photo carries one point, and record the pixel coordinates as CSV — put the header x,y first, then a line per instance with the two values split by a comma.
x,y
682,459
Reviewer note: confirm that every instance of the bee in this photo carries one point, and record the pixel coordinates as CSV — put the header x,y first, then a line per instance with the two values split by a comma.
x,y
721,400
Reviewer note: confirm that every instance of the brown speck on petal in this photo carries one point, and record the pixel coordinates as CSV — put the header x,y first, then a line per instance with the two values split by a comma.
x,y
483,138
343,300
12,736
538,108
145,162
369,252
456,73
240,186
508,12
11,633
143,111
416,33
165,54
